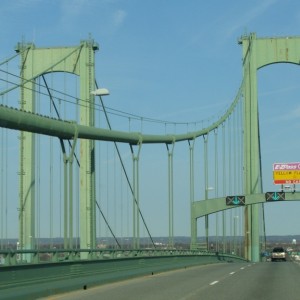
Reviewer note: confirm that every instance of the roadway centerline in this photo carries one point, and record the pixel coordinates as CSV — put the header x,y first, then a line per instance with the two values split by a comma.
x,y
231,273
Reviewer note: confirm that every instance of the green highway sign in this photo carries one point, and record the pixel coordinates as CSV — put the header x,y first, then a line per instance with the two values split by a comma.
x,y
235,200
275,196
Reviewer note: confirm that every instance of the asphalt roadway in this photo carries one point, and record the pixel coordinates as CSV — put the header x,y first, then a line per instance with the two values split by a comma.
x,y
234,281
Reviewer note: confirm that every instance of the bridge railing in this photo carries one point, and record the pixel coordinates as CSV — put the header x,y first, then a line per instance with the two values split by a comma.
x,y
12,257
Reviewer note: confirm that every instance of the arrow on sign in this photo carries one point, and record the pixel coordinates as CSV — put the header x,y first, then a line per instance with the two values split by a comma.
x,y
275,196
235,200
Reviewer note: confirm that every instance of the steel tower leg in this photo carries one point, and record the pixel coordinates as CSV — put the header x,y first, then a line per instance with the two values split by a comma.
x,y
87,148
34,63
253,183
27,157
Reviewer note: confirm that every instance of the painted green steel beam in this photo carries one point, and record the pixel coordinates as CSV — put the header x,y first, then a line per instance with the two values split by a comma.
x,y
27,165
283,50
67,61
252,168
210,206
21,120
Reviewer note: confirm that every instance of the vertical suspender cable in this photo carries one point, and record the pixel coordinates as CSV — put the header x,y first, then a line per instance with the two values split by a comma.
x,y
115,190
171,199
138,196
229,128
262,206
135,203
236,171
60,186
224,186
6,170
206,188
3,176
216,187
77,186
99,180
107,178
192,192
235,149
122,202
3,172
51,183
38,180
6,186
234,176
240,175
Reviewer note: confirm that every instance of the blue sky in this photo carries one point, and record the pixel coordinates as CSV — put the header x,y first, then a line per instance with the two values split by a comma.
x,y
177,61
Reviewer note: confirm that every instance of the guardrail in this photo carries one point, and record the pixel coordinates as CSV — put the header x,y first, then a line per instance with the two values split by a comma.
x,y
66,271
12,257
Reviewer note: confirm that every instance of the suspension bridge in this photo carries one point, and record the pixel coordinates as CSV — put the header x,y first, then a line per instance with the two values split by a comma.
x,y
86,178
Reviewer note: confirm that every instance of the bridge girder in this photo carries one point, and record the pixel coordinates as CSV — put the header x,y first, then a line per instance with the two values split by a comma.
x,y
214,205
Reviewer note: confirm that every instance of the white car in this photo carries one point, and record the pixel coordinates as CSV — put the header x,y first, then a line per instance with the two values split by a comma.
x,y
278,253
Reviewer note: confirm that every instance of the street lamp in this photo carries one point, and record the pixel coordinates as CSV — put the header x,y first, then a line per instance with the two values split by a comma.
x,y
100,92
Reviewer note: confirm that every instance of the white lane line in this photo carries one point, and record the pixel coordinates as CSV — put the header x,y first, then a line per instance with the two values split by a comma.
x,y
214,282
231,273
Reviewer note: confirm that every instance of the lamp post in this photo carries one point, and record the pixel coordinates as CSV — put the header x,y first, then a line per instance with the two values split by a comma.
x,y
102,92
98,92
